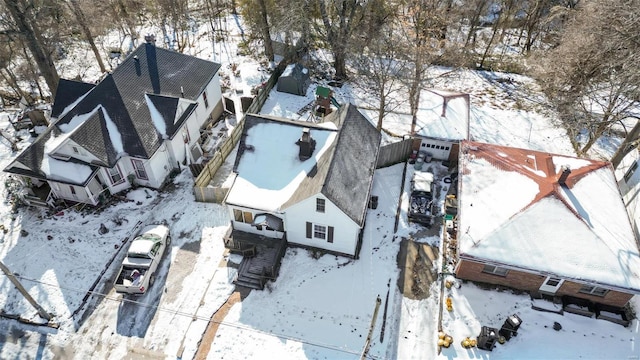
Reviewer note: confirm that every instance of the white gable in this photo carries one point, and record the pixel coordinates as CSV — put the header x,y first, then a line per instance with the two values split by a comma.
x,y
156,117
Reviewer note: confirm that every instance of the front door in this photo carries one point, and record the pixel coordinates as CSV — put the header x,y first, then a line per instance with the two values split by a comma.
x,y
551,285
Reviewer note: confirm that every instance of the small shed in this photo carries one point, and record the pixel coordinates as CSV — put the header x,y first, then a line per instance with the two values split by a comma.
x,y
294,80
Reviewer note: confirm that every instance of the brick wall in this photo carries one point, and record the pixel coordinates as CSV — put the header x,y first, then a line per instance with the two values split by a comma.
x,y
470,270
515,279
614,298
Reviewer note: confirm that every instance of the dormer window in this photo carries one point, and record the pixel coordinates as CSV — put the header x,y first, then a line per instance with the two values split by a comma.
x,y
320,205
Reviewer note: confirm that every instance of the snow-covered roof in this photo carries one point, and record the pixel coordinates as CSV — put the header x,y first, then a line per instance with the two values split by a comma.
x,y
422,181
68,94
443,115
151,76
513,212
271,177
141,246
269,170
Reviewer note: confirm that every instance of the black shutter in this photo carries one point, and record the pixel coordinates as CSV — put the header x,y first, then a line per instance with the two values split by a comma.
x,y
308,230
330,235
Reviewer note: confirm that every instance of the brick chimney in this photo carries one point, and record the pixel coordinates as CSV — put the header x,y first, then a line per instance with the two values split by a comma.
x,y
307,144
562,180
150,39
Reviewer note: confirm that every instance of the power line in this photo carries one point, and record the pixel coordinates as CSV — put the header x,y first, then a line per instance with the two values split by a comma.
x,y
198,317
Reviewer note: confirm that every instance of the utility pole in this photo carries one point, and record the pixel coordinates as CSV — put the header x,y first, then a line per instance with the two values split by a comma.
x,y
373,325
23,291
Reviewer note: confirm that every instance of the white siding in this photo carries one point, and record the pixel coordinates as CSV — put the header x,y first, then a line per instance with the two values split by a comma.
x,y
76,193
125,169
177,148
214,98
157,168
246,227
439,149
345,231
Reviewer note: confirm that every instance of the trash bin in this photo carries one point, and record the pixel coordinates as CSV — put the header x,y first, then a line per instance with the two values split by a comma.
x,y
418,164
427,157
373,202
487,338
510,327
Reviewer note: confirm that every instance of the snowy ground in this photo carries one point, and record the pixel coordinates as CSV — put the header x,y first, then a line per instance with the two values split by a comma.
x,y
318,308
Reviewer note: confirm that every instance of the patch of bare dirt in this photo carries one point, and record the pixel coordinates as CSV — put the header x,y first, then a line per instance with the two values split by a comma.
x,y
417,270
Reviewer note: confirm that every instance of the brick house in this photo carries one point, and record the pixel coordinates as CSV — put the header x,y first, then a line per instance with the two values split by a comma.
x,y
545,223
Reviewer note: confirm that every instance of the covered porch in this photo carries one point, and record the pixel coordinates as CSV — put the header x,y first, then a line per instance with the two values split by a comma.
x,y
261,256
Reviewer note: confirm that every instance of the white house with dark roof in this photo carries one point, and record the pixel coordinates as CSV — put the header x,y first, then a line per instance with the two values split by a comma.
x,y
307,182
545,223
132,128
442,122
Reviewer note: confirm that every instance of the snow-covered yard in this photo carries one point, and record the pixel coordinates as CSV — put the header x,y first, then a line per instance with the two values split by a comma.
x,y
319,307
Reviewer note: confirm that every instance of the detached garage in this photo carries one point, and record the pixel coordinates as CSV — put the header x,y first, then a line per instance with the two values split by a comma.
x,y
294,80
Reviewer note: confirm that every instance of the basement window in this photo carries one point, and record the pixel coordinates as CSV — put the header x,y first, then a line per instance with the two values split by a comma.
x,y
593,290
494,270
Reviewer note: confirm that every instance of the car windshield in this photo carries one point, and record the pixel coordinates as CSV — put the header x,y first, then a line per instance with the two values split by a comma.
x,y
152,237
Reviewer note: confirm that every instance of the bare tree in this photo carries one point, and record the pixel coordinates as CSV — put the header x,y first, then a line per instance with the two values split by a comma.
x,y
425,24
266,33
258,22
592,75
25,21
82,22
339,21
378,62
472,13
629,143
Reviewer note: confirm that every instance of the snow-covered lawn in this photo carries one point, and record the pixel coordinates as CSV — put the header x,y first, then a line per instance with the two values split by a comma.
x,y
319,308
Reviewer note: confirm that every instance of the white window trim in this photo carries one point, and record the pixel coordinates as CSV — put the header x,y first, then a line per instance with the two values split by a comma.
x,y
320,229
117,168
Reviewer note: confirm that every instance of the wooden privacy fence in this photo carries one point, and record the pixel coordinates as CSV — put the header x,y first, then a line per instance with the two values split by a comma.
x,y
201,189
395,153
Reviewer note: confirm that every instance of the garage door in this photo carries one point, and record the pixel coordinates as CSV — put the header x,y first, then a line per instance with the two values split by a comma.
x,y
439,149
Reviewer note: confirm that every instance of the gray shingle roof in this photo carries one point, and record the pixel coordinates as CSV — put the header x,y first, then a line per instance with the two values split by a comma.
x,y
344,173
163,74
350,174
95,128
67,92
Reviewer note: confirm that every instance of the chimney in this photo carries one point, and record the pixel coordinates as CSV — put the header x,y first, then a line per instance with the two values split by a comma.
x,y
307,144
150,39
562,180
